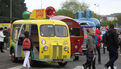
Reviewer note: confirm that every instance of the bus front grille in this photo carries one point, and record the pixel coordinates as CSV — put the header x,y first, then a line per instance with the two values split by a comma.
x,y
57,52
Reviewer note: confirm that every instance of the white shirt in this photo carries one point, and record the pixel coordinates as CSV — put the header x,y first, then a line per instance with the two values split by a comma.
x,y
1,36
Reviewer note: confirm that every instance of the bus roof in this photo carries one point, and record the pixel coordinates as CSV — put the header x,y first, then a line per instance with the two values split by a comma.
x,y
39,22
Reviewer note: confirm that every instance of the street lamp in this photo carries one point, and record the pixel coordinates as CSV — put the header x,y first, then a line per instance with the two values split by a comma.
x,y
98,7
10,11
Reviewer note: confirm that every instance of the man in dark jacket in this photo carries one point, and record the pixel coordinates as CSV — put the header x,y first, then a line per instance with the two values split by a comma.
x,y
112,46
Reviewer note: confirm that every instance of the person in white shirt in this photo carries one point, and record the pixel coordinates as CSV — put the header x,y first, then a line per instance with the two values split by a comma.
x,y
1,39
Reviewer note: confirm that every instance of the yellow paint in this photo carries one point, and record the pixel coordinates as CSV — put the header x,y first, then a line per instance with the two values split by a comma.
x,y
38,14
60,42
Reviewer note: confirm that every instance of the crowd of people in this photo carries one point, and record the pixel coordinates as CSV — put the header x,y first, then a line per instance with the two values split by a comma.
x,y
111,39
4,38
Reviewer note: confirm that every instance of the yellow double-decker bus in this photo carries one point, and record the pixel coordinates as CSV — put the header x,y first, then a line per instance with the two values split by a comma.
x,y
51,40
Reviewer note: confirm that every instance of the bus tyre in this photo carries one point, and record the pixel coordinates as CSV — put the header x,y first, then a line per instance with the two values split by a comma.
x,y
13,58
76,57
62,63
32,62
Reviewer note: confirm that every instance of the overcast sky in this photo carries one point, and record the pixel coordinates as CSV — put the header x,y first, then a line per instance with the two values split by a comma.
x,y
103,7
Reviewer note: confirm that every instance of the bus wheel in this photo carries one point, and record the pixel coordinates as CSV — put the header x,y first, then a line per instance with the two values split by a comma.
x,y
62,63
13,58
76,57
32,62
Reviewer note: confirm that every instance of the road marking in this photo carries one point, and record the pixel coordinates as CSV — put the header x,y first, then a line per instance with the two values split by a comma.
x,y
17,67
115,67
79,67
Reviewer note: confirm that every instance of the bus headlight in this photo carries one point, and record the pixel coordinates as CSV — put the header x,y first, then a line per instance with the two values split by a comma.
x,y
66,48
45,48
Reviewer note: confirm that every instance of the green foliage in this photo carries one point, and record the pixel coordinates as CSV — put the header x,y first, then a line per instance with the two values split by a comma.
x,y
107,23
95,15
18,7
69,8
65,13
74,6
119,19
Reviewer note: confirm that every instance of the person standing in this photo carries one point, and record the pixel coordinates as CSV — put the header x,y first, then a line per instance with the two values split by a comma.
x,y
98,40
120,42
27,46
7,37
91,51
112,44
1,40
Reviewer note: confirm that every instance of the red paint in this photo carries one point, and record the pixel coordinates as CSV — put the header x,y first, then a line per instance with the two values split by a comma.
x,y
76,41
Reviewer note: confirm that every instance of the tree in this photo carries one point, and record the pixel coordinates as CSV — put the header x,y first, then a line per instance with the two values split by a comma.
x,y
74,6
65,13
107,23
18,7
118,18
69,8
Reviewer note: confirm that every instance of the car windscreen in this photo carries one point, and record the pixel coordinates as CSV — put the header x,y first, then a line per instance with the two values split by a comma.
x,y
61,31
53,30
47,30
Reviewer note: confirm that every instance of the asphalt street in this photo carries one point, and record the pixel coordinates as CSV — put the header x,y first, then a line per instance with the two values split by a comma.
x,y
6,63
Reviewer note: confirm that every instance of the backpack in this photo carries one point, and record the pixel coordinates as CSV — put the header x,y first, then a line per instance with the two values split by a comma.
x,y
96,40
111,38
26,43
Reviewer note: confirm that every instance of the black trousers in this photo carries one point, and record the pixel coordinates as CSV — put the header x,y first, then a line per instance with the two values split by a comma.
x,y
90,62
1,46
99,54
113,56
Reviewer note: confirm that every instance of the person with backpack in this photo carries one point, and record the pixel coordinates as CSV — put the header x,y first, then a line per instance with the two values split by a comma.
x,y
91,51
112,44
27,46
98,40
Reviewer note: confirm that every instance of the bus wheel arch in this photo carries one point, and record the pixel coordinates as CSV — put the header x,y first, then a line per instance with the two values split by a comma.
x,y
62,64
12,53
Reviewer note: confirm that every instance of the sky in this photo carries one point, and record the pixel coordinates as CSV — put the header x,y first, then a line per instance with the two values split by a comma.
x,y
102,7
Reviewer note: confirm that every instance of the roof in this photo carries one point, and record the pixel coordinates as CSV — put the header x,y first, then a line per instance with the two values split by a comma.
x,y
44,21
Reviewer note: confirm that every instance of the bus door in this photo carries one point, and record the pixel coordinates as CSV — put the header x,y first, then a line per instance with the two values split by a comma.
x,y
17,28
33,32
35,38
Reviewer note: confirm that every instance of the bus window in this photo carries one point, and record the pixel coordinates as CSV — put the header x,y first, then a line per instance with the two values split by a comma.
x,y
47,30
75,31
61,31
15,31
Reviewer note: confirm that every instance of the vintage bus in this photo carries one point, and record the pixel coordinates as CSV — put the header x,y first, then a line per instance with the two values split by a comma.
x,y
86,26
76,35
50,37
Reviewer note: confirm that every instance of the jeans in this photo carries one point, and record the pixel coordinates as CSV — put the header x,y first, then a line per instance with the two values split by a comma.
x,y
26,60
99,54
113,56
90,61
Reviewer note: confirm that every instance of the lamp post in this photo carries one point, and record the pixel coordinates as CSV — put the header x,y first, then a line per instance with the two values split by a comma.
x,y
98,8
10,11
